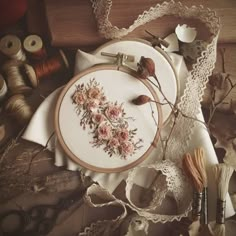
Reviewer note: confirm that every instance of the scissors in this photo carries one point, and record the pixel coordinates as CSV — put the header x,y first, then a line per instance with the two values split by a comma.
x,y
40,219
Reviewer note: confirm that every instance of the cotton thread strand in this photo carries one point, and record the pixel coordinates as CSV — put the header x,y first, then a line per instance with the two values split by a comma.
x,y
19,109
222,173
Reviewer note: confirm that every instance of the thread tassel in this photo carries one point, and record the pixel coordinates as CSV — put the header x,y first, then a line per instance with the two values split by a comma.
x,y
222,174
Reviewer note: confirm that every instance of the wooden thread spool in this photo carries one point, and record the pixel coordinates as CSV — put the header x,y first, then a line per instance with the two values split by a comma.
x,y
33,45
3,88
47,68
15,78
10,45
18,108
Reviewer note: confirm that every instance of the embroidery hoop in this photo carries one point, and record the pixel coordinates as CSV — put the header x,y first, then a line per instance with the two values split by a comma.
x,y
76,158
147,45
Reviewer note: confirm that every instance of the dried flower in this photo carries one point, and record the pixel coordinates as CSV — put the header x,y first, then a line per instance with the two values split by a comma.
x,y
140,100
146,67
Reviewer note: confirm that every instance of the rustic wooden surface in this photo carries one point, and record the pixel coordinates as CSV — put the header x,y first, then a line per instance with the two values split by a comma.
x,y
14,176
71,22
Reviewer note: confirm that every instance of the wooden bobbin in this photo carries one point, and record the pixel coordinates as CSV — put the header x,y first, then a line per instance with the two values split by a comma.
x,y
15,80
3,88
33,44
31,74
10,45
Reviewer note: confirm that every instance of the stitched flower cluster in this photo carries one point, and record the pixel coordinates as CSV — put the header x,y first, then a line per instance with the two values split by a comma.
x,y
106,120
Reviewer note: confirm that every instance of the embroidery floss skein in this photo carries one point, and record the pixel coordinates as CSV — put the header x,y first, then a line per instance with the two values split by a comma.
x,y
18,108
47,68
199,163
33,45
15,78
222,174
196,178
10,45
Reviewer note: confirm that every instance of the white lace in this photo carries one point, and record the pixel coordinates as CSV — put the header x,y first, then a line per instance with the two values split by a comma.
x,y
189,104
176,186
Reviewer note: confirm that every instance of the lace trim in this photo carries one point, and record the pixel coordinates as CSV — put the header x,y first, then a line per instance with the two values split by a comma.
x,y
202,69
105,227
175,182
176,185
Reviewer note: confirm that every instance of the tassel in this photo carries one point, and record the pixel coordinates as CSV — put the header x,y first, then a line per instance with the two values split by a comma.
x,y
222,174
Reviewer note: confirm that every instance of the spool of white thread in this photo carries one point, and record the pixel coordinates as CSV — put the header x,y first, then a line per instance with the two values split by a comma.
x,y
10,45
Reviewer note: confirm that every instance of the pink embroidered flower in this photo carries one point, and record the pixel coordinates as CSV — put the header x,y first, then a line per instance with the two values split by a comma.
x,y
79,98
104,132
126,148
98,118
113,143
94,93
92,104
123,135
113,112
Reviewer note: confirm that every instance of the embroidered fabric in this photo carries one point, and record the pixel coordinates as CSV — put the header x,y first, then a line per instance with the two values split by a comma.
x,y
173,181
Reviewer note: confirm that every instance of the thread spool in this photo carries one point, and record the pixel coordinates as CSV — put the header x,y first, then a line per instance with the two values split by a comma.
x,y
3,88
18,108
16,80
10,45
47,68
33,45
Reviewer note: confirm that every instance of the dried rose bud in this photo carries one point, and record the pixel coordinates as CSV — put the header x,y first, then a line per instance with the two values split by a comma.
x,y
140,100
146,67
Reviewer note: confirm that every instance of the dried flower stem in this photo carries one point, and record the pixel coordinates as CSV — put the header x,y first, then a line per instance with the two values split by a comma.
x,y
42,149
174,108
214,105
11,144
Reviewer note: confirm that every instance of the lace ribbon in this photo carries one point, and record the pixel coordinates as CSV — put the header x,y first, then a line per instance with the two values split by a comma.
x,y
196,82
172,183
171,180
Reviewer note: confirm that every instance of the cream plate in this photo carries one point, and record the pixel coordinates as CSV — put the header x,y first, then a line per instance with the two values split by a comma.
x,y
164,68
118,86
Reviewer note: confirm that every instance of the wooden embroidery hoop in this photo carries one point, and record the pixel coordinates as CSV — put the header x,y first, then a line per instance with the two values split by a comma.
x,y
75,158
104,46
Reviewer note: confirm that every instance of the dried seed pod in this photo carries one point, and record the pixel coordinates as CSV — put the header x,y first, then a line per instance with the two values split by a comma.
x,y
140,100
146,67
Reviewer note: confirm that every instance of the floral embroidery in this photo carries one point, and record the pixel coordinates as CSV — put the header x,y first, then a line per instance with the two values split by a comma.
x,y
106,119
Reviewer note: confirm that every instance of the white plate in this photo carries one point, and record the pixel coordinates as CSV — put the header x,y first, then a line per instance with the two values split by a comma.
x,y
120,87
163,65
